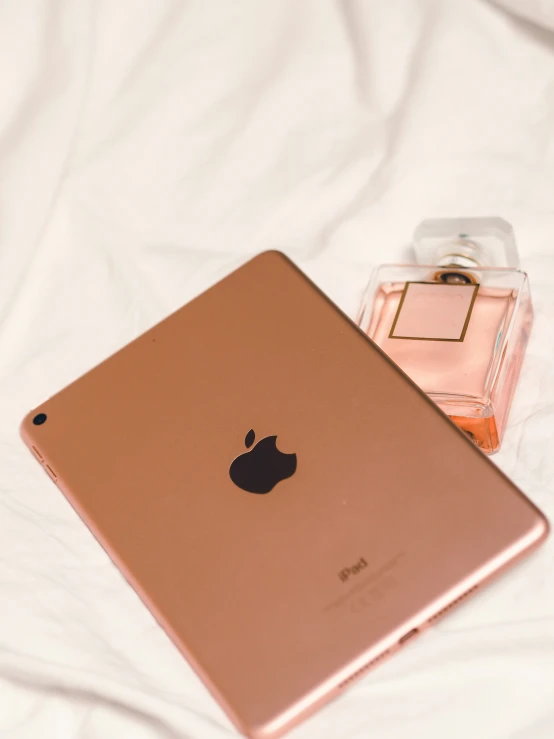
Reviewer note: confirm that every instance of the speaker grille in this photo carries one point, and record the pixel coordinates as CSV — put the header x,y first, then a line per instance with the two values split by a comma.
x,y
442,612
363,669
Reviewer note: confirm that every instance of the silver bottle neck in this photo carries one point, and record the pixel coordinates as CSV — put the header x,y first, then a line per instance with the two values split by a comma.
x,y
461,253
458,260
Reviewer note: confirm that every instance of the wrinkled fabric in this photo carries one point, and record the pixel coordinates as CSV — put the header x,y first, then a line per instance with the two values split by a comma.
x,y
146,149
539,12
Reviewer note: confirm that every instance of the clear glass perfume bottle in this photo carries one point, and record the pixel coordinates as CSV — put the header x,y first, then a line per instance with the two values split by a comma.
x,y
458,322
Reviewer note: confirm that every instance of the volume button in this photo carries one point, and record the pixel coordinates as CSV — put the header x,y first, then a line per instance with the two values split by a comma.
x,y
51,472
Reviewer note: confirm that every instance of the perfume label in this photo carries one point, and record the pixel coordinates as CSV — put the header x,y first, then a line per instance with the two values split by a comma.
x,y
431,311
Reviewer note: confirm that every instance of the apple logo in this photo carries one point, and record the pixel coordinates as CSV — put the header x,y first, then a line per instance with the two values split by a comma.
x,y
261,468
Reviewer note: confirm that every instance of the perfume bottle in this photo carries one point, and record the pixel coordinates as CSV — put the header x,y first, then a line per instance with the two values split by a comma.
x,y
458,321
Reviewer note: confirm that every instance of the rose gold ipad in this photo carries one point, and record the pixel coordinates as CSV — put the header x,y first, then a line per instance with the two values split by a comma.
x,y
286,502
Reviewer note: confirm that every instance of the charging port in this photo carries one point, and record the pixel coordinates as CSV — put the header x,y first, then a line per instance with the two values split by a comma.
x,y
408,636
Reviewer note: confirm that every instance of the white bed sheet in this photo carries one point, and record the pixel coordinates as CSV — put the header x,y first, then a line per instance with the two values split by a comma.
x,y
146,149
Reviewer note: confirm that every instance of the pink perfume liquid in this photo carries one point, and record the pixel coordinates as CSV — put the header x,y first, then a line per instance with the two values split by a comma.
x,y
472,380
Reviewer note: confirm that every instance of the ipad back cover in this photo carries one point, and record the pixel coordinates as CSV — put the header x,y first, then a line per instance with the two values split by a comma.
x,y
286,502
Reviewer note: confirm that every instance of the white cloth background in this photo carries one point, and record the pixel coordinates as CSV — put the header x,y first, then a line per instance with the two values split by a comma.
x,y
149,147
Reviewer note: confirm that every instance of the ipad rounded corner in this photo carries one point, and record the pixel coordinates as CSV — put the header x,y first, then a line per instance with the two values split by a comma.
x,y
262,732
272,255
30,421
541,529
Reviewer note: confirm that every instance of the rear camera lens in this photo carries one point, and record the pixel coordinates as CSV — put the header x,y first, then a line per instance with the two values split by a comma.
x,y
39,419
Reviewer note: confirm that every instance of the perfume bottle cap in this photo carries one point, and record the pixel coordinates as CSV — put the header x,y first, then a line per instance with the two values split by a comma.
x,y
466,242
